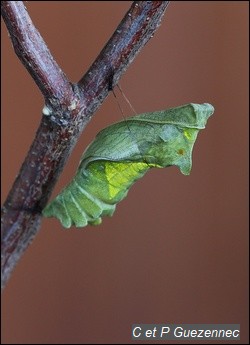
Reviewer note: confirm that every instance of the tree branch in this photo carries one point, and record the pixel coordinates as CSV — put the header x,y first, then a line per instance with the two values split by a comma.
x,y
69,108
33,52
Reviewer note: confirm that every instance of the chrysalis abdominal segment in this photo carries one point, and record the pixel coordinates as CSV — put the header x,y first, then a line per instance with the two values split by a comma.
x,y
111,163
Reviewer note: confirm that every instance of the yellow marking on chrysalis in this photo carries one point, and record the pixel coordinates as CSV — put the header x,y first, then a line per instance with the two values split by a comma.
x,y
187,134
122,175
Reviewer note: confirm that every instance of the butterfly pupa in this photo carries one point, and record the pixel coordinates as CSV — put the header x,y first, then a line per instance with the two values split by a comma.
x,y
112,162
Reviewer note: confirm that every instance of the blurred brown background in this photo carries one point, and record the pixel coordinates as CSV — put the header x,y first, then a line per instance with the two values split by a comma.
x,y
176,249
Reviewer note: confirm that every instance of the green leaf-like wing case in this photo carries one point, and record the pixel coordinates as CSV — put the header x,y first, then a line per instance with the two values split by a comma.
x,y
121,154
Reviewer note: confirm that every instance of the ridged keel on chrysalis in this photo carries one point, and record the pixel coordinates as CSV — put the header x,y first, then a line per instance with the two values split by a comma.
x,y
121,154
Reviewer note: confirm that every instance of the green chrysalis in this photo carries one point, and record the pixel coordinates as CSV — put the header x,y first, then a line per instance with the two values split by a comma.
x,y
121,154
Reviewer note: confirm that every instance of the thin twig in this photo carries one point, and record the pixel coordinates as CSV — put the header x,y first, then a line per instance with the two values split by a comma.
x,y
69,107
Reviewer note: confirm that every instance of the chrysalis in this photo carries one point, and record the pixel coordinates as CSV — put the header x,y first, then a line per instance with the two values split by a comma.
x,y
116,159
